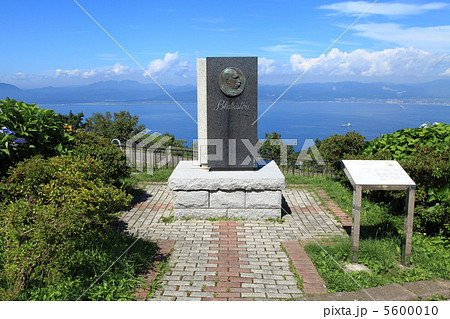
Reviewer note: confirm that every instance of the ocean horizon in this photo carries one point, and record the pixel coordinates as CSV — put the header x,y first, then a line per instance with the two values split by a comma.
x,y
293,120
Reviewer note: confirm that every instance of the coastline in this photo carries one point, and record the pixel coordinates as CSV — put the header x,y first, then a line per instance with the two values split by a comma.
x,y
143,103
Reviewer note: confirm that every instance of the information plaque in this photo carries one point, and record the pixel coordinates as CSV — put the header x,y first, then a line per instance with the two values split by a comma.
x,y
376,175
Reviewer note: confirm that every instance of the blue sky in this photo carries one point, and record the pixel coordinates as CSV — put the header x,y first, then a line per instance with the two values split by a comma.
x,y
54,42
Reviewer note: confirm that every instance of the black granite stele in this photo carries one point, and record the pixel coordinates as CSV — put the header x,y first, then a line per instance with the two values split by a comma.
x,y
229,118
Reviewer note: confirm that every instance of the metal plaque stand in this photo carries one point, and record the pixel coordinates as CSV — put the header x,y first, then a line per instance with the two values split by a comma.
x,y
380,175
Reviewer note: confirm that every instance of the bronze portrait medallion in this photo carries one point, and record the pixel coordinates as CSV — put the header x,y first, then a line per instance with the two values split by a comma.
x,y
232,81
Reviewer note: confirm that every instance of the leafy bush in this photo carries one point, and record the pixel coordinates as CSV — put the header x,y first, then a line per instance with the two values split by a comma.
x,y
98,250
430,170
47,206
72,121
424,153
338,147
113,163
403,143
36,131
434,220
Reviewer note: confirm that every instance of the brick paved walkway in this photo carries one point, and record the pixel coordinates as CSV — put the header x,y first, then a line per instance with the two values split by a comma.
x,y
230,260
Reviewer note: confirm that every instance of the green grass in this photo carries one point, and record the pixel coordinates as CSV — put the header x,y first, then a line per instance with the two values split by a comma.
x,y
380,245
382,256
158,175
294,270
131,184
378,220
162,268
85,266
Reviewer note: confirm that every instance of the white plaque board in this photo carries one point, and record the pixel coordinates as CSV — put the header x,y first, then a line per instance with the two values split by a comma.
x,y
374,172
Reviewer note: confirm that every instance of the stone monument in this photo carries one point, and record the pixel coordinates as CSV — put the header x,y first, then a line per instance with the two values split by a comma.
x,y
227,97
225,181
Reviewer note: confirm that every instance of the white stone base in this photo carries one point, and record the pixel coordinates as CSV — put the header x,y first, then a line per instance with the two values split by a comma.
x,y
201,194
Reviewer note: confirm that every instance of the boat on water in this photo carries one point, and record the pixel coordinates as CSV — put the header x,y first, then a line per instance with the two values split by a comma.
x,y
346,125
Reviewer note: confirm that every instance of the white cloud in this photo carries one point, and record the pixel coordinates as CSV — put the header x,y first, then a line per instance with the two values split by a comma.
x,y
266,66
159,66
89,74
362,64
429,38
387,9
19,75
446,72
119,69
172,63
67,73
107,71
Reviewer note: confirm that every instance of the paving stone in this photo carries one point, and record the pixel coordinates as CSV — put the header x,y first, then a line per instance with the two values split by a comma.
x,y
427,289
255,256
253,294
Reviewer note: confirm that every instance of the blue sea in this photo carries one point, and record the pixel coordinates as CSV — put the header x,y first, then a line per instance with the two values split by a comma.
x,y
293,120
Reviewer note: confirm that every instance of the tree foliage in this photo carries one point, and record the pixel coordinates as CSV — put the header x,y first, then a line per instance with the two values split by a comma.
x,y
271,148
338,147
72,121
120,125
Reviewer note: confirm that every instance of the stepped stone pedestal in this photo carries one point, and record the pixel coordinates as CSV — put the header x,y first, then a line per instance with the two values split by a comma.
x,y
199,193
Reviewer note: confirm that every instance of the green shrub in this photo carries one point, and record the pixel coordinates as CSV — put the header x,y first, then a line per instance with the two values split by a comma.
x,y
424,153
47,206
434,220
429,169
338,147
113,164
96,252
118,125
38,131
403,143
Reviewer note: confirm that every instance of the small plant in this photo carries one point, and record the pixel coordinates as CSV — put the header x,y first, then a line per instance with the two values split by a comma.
x,y
214,294
437,297
293,270
163,268
188,293
203,287
275,220
167,220
228,289
191,283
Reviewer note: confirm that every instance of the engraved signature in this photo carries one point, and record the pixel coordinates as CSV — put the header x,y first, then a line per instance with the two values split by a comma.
x,y
224,105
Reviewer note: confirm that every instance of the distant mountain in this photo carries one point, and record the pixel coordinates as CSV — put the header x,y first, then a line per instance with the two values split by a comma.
x,y
7,90
438,90
136,92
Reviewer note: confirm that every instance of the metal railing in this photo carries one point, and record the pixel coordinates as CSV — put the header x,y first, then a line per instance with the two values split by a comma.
x,y
144,158
305,167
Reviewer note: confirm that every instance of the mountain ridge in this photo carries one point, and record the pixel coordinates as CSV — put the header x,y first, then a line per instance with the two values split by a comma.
x,y
113,91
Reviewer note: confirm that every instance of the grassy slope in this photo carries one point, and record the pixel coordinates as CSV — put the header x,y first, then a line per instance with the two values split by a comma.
x,y
380,245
